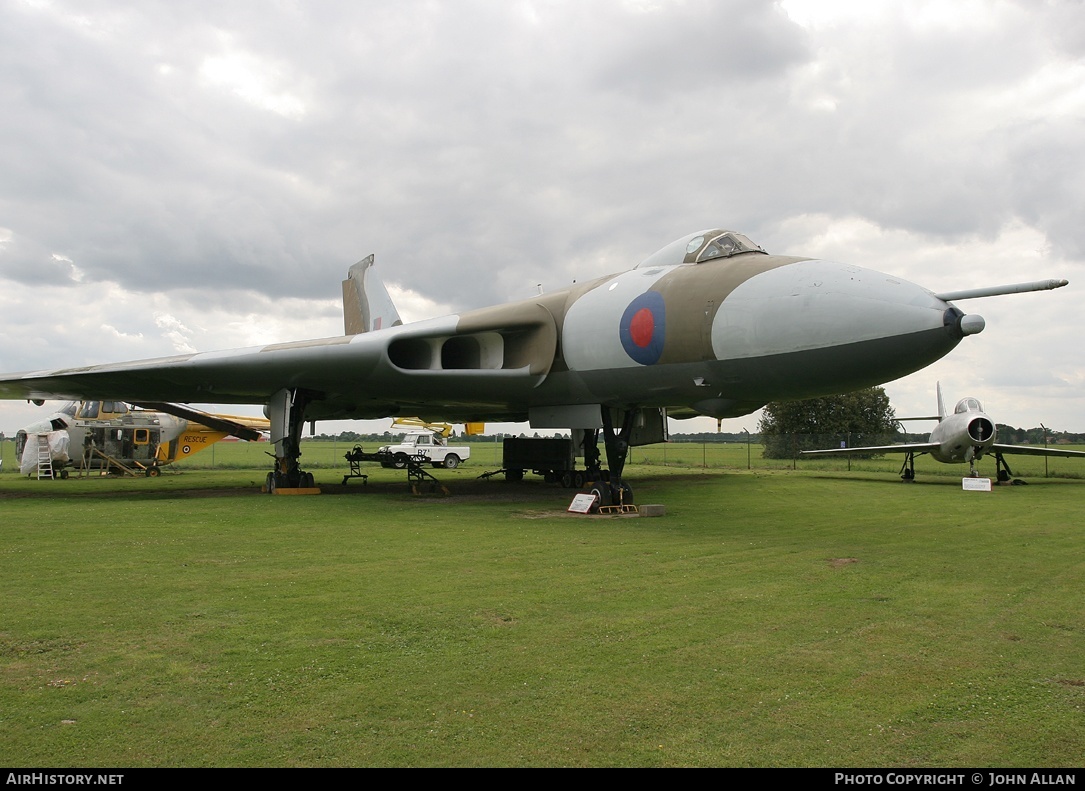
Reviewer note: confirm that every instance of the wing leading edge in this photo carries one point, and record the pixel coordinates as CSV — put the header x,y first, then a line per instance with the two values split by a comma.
x,y
915,447
1035,450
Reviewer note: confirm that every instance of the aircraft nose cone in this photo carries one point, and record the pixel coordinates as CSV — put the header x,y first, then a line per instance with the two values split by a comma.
x,y
850,327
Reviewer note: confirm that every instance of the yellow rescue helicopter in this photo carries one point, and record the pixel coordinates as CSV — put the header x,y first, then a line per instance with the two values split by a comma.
x,y
113,436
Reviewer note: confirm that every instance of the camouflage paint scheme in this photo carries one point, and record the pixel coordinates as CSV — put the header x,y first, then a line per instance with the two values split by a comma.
x,y
708,325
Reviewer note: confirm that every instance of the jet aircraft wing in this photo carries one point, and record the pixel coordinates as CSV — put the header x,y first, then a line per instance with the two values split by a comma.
x,y
483,365
1035,450
914,447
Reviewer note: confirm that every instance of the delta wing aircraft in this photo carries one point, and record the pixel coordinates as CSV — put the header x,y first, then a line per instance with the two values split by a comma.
x,y
710,324
965,436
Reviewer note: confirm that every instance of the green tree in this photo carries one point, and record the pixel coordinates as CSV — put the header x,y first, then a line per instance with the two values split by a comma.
x,y
864,417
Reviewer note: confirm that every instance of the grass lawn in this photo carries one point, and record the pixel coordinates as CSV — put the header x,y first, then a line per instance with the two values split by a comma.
x,y
772,618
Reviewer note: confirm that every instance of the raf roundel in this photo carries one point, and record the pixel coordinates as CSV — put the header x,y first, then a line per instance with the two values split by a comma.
x,y
642,328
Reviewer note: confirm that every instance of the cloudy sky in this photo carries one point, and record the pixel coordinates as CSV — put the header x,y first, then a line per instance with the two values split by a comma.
x,y
199,175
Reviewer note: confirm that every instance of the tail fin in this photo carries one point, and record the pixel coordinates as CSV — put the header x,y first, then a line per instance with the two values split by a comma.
x,y
366,304
941,405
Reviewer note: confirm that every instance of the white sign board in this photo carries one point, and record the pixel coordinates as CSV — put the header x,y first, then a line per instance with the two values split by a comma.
x,y
976,484
582,503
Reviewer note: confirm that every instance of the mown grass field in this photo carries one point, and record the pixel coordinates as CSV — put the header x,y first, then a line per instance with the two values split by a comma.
x,y
773,617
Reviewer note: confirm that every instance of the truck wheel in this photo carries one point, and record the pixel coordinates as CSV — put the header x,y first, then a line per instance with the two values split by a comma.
x,y
452,461
399,461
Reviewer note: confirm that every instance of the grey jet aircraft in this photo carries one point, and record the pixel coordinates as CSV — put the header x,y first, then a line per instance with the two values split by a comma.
x,y
965,436
710,324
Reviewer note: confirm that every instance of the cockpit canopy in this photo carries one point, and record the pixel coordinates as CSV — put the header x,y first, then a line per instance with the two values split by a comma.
x,y
696,248
967,405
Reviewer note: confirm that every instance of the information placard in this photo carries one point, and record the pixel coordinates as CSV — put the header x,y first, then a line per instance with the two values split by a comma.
x,y
582,503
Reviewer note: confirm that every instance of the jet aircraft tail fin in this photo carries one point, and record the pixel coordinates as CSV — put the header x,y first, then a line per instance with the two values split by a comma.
x,y
366,303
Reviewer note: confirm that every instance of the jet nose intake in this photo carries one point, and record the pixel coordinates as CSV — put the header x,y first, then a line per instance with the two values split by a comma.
x,y
980,429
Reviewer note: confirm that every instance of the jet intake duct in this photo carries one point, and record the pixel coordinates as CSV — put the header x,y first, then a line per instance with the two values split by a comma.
x,y
980,429
491,340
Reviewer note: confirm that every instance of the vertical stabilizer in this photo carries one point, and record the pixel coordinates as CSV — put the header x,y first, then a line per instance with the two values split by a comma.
x,y
366,303
941,404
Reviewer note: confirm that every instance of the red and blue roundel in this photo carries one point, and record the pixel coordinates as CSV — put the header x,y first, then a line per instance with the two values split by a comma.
x,y
642,328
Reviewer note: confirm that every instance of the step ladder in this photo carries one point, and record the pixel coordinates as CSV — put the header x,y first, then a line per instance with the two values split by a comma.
x,y
45,458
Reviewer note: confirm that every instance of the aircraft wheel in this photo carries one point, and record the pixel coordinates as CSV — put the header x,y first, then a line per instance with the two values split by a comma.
x,y
602,496
452,461
399,461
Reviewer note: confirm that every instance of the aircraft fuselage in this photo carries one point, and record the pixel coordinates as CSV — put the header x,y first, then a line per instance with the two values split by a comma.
x,y
720,337
964,436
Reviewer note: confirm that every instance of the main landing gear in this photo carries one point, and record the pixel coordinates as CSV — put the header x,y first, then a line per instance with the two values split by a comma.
x,y
613,495
1004,473
286,410
907,470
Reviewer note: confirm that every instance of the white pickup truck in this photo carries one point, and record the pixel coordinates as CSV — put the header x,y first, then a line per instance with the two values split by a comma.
x,y
426,447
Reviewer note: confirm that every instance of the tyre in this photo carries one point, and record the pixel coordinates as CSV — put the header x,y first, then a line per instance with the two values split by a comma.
x,y
452,461
602,496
